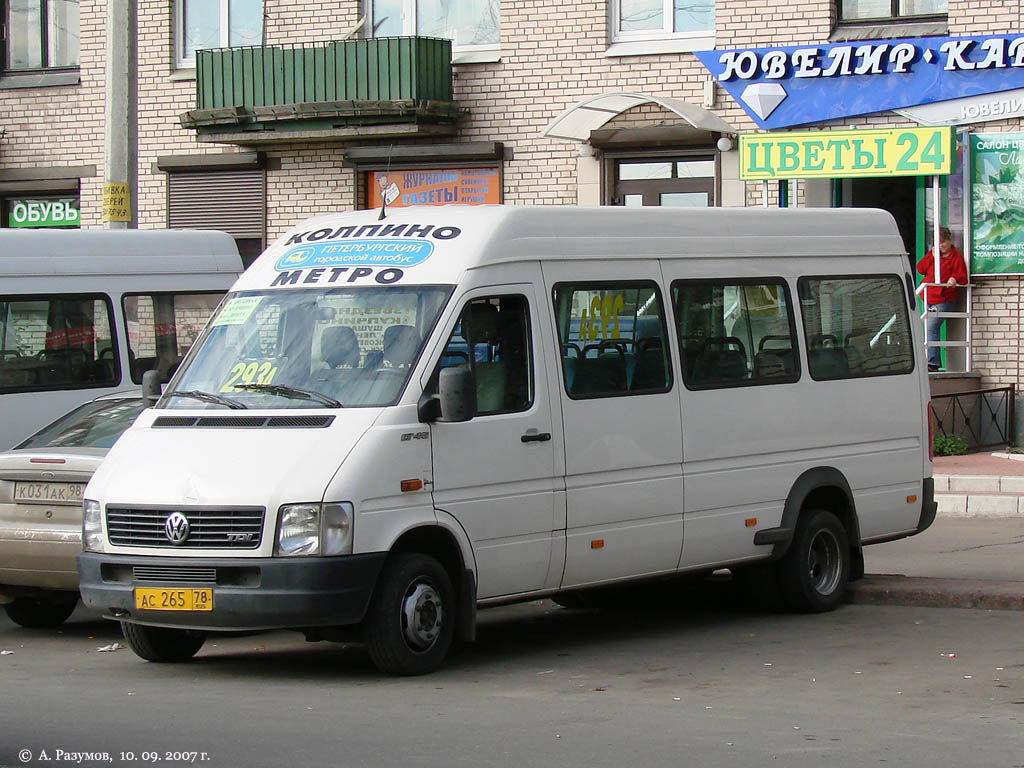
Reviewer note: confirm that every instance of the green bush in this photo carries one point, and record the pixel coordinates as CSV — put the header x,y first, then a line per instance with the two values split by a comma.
x,y
949,445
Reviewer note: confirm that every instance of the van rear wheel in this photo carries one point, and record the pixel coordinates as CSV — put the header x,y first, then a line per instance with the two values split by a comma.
x,y
411,621
37,613
160,644
814,572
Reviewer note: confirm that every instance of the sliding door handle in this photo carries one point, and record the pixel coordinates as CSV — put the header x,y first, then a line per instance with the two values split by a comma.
x,y
536,437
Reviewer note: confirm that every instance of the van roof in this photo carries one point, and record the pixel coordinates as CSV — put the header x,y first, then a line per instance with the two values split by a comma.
x,y
36,252
435,244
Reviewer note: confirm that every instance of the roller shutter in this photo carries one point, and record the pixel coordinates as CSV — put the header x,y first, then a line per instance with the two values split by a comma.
x,y
234,201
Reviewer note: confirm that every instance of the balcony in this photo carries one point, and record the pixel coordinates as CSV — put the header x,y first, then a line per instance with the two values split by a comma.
x,y
380,88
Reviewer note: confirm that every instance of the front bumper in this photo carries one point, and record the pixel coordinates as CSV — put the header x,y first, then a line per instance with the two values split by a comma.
x,y
248,593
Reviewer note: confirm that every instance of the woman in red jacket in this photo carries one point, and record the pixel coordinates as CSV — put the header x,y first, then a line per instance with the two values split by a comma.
x,y
941,298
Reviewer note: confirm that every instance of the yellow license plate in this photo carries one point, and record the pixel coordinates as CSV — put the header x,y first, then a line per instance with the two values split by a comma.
x,y
149,599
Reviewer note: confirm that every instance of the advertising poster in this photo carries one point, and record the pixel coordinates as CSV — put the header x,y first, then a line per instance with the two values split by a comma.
x,y
451,186
997,204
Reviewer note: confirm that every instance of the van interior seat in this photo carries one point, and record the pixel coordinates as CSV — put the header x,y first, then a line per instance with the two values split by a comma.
x,y
646,366
339,349
385,374
721,358
401,343
827,362
601,374
491,375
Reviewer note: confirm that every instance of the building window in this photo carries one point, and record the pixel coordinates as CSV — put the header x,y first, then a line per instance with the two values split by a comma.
x,y
216,24
41,34
884,10
659,19
469,24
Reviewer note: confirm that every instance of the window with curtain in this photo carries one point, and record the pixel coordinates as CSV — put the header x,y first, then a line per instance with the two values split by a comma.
x,y
216,24
658,19
469,24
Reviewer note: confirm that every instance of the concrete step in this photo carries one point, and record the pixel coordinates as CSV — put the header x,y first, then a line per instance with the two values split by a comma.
x,y
979,505
979,484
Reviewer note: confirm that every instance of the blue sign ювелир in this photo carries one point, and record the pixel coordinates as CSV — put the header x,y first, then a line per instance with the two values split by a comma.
x,y
797,85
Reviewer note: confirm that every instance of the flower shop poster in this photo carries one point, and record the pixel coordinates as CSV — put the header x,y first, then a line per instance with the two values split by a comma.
x,y
997,204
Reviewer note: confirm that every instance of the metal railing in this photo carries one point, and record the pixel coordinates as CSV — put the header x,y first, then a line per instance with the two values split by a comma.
x,y
378,69
984,418
964,343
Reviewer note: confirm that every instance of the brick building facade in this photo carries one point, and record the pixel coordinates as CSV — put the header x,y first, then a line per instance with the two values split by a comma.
x,y
549,58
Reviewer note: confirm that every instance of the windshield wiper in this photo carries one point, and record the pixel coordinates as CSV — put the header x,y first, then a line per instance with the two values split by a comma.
x,y
207,397
293,392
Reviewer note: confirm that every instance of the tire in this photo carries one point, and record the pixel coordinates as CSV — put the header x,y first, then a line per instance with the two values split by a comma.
x,y
160,644
574,600
39,613
410,624
814,572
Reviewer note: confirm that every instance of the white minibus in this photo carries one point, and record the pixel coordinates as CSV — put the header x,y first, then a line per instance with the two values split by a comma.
x,y
87,312
389,424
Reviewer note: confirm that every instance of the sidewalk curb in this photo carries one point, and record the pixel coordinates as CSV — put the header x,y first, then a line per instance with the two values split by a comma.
x,y
894,589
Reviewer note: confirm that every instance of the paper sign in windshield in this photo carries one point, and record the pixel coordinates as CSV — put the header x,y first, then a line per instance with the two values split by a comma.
x,y
364,253
237,310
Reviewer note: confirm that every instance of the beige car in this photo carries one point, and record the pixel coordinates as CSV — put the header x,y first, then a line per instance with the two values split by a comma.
x,y
41,486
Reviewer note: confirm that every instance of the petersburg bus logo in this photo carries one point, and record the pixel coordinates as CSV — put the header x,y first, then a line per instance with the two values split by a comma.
x,y
357,253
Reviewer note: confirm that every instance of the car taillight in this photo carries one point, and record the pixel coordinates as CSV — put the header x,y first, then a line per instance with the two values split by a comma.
x,y
931,432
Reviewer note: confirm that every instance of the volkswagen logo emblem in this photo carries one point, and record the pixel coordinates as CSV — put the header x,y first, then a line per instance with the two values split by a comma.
x,y
176,528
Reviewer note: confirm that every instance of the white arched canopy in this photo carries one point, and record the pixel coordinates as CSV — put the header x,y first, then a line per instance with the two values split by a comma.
x,y
576,122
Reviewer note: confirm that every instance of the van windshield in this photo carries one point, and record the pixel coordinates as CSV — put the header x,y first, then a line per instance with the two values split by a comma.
x,y
341,347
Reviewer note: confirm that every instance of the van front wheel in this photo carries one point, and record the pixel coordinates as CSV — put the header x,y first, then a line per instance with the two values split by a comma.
x,y
815,570
160,644
411,621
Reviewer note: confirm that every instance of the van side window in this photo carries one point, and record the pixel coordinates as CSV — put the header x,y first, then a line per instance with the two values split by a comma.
x,y
161,328
856,326
735,332
58,342
612,338
492,338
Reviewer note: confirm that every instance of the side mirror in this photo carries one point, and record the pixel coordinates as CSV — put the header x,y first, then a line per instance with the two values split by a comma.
x,y
457,387
151,387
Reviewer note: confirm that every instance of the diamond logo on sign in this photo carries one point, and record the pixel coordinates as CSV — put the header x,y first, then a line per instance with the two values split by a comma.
x,y
763,98
786,86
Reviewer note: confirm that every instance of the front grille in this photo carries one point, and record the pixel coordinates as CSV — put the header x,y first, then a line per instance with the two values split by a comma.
x,y
209,528
174,574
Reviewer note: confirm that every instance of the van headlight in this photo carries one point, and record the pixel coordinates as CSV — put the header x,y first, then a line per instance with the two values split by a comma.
x,y
92,526
314,529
